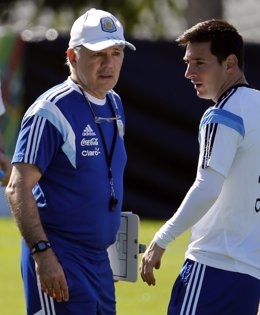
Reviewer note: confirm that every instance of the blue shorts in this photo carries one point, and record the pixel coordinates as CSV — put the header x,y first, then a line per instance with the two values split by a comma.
x,y
90,281
204,290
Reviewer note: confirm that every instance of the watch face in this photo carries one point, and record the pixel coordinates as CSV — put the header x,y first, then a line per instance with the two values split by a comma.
x,y
42,245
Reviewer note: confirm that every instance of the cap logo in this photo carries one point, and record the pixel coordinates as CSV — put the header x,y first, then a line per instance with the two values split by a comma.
x,y
108,25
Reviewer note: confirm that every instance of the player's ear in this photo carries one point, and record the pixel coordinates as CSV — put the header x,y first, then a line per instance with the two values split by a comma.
x,y
71,55
231,62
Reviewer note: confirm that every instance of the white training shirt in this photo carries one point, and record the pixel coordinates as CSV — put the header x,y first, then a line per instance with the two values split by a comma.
x,y
225,233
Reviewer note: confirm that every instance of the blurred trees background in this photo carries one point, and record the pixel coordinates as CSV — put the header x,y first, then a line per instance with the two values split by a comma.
x,y
145,19
202,10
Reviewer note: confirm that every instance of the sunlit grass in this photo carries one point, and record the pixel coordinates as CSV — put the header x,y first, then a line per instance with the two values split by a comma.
x,y
132,298
140,299
11,290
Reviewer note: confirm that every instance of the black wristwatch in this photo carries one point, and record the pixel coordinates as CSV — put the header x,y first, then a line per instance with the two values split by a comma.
x,y
41,246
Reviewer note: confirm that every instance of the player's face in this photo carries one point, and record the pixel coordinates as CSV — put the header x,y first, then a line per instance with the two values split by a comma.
x,y
98,72
204,70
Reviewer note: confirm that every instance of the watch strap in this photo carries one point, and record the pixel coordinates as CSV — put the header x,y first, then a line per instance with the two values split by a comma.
x,y
40,246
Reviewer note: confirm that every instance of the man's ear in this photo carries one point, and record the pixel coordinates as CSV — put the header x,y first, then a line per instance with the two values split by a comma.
x,y
71,55
231,62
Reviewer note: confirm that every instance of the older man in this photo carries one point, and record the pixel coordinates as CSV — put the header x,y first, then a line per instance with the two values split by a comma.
x,y
66,187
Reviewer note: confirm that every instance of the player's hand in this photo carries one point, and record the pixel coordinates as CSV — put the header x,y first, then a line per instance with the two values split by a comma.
x,y
51,275
151,259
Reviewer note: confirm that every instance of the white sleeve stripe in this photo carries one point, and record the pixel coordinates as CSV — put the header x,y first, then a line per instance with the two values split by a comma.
x,y
34,139
29,141
41,127
52,113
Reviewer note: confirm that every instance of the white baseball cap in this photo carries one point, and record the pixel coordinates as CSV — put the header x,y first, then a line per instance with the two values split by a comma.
x,y
97,30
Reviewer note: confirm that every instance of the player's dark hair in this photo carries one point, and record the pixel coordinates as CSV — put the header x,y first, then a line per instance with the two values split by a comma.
x,y
223,37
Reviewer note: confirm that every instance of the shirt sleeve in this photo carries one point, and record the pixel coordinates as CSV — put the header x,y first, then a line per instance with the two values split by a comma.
x,y
201,196
37,143
221,133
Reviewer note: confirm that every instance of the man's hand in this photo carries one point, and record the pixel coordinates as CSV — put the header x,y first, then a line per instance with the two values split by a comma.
x,y
51,275
151,259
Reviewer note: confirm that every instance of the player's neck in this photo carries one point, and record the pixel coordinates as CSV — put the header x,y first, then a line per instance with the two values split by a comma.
x,y
237,79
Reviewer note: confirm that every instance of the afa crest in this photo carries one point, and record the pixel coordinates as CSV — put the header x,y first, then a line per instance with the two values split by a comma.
x,y
108,25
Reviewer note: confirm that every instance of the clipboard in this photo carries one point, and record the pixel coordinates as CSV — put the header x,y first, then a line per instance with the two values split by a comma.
x,y
123,254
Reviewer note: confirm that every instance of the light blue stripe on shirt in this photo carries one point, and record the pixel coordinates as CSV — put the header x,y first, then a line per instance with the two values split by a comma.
x,y
224,117
52,113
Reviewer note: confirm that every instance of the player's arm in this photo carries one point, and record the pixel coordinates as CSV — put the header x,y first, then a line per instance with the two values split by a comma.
x,y
199,199
196,203
19,194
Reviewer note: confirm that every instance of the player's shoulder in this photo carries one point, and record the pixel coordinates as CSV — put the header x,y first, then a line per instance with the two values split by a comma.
x,y
239,96
57,92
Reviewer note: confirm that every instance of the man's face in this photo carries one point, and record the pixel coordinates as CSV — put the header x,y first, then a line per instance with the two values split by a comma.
x,y
204,70
98,72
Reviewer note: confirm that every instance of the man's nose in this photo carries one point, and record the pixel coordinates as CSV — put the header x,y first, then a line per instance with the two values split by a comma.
x,y
190,72
107,60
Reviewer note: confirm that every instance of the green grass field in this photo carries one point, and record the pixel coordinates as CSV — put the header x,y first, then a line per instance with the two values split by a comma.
x,y
132,298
